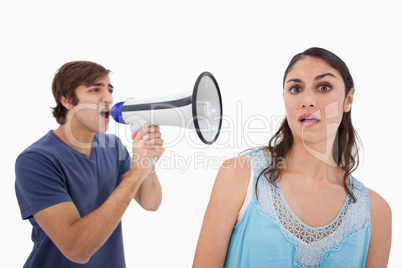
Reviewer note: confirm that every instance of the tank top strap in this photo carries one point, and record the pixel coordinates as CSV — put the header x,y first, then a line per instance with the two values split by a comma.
x,y
259,161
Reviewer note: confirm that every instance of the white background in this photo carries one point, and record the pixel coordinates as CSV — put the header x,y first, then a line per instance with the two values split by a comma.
x,y
160,47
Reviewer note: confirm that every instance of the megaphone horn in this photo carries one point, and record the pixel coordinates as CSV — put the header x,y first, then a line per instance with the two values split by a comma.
x,y
202,110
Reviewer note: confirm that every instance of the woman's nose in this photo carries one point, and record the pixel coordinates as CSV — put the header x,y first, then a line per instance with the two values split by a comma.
x,y
308,100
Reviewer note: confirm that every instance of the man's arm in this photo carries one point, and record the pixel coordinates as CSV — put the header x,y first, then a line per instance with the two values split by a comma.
x,y
149,194
79,238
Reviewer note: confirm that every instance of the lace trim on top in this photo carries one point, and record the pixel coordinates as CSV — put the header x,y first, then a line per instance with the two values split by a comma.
x,y
311,242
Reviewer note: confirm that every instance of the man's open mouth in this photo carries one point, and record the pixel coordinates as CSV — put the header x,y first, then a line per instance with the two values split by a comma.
x,y
105,113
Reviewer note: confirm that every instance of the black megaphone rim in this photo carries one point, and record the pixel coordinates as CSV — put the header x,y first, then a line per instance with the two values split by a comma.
x,y
194,107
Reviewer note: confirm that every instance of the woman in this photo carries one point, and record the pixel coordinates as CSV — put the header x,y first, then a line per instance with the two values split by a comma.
x,y
294,203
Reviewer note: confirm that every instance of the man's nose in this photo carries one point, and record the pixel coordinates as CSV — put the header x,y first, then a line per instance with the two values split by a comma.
x,y
107,97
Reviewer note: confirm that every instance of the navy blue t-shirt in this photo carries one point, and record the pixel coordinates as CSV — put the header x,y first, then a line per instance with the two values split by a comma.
x,y
50,172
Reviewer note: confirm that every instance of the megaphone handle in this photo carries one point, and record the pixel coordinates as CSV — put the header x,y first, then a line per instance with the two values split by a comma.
x,y
135,127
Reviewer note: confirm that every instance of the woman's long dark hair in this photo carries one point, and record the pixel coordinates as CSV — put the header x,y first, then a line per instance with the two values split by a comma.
x,y
345,149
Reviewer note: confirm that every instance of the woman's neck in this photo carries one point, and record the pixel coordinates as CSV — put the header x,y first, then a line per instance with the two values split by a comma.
x,y
311,163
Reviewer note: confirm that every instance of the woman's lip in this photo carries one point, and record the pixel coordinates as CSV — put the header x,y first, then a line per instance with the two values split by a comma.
x,y
309,120
309,123
303,116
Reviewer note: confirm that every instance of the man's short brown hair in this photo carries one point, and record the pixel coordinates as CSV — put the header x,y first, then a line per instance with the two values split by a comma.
x,y
68,78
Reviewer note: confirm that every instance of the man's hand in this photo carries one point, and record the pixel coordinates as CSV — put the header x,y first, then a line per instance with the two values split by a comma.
x,y
147,148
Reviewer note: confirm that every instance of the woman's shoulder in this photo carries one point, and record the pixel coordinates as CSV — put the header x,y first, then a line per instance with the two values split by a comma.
x,y
236,167
381,231
245,161
234,175
379,207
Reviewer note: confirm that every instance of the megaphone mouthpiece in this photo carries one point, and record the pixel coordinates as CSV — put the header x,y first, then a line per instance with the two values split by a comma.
x,y
115,112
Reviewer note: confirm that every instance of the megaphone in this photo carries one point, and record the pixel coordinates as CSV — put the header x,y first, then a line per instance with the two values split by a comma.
x,y
201,110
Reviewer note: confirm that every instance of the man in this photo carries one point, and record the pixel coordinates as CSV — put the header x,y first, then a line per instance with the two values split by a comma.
x,y
75,183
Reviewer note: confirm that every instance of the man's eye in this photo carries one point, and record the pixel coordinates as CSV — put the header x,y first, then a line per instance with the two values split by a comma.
x,y
111,91
94,89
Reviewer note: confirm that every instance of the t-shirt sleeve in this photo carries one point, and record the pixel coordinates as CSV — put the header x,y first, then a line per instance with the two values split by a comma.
x,y
39,183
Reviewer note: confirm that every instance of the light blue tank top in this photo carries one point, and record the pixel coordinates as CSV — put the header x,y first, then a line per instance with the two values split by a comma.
x,y
270,235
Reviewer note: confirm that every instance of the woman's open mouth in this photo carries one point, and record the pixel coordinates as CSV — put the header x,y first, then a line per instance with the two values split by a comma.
x,y
309,120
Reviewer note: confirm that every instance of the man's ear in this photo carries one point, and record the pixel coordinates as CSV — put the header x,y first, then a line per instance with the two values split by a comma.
x,y
349,100
67,103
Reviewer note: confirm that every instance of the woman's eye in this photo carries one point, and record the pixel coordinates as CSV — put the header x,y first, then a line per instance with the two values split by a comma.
x,y
324,88
295,90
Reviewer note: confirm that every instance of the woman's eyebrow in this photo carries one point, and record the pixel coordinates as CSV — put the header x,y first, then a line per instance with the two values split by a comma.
x,y
318,77
297,80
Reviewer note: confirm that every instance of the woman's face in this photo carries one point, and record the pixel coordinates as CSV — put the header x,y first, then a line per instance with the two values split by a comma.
x,y
314,96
